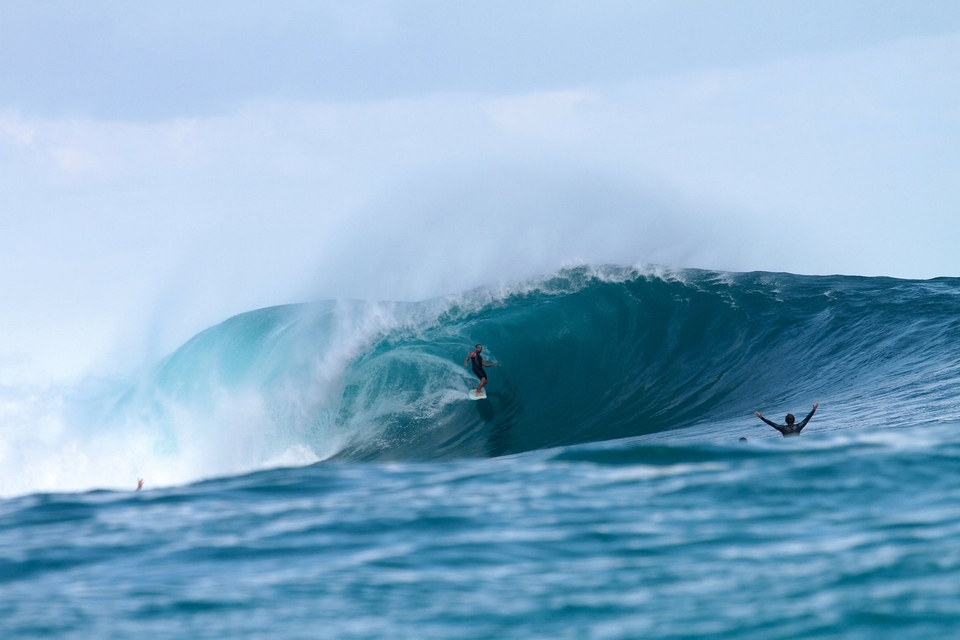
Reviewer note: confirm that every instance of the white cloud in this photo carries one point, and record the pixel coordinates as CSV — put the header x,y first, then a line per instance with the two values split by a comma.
x,y
13,126
544,115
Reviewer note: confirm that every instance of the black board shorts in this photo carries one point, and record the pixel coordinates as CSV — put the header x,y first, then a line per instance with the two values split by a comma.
x,y
480,373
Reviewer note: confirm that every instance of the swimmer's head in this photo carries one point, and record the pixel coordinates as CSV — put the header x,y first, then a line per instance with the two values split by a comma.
x,y
742,439
790,418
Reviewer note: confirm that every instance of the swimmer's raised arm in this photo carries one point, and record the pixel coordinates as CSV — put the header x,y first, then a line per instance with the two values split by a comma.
x,y
772,424
809,415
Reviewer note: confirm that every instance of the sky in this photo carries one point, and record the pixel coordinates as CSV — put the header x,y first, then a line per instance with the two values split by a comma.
x,y
166,165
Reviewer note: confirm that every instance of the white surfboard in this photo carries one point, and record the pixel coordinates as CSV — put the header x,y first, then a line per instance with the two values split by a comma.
x,y
472,394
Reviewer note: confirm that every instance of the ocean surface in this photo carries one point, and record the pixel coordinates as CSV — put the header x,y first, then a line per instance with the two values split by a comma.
x,y
317,471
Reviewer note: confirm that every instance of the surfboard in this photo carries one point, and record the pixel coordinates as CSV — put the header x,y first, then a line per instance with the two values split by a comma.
x,y
472,394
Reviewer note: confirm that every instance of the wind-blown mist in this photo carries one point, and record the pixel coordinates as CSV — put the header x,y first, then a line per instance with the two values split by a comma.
x,y
465,229
141,234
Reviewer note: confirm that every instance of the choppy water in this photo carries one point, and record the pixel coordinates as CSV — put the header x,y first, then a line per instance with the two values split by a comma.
x,y
600,492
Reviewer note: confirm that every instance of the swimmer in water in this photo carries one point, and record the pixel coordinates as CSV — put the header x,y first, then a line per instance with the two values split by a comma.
x,y
478,364
791,428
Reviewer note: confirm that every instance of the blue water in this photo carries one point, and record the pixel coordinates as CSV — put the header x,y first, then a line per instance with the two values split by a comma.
x,y
601,491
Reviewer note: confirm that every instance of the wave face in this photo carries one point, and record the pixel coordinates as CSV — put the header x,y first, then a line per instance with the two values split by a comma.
x,y
589,354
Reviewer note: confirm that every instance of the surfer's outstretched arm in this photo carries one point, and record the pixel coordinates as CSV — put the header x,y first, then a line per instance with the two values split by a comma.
x,y
769,422
489,364
804,422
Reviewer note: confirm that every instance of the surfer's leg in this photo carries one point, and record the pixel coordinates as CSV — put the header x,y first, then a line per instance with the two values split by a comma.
x,y
482,376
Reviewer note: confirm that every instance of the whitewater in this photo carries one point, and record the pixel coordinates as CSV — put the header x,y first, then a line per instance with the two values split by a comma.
x,y
316,469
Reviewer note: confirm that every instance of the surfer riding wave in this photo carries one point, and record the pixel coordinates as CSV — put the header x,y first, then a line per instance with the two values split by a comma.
x,y
478,363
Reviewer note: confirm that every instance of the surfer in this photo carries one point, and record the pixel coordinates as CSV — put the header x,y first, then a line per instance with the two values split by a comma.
x,y
790,429
478,363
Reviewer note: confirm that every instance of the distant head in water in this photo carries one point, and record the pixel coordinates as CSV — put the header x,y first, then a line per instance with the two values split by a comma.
x,y
742,439
790,419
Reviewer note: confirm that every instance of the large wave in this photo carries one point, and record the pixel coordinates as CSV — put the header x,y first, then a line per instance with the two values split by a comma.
x,y
588,354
